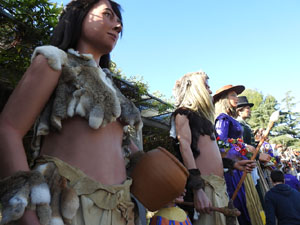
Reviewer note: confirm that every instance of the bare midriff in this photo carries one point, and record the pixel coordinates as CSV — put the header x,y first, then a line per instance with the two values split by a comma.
x,y
98,153
209,161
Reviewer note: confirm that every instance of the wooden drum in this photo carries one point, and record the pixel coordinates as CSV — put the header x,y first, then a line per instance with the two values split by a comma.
x,y
158,178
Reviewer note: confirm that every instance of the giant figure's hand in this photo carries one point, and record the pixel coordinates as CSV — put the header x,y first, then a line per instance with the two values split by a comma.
x,y
245,165
263,157
201,202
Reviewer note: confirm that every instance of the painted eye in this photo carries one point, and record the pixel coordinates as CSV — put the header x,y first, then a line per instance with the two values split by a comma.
x,y
107,14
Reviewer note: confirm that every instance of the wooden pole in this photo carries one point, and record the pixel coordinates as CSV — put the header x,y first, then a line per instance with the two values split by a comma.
x,y
224,210
274,117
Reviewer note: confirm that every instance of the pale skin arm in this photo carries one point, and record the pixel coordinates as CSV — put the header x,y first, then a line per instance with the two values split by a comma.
x,y
183,131
19,114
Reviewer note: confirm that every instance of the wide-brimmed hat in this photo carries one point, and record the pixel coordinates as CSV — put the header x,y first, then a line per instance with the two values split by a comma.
x,y
243,101
227,88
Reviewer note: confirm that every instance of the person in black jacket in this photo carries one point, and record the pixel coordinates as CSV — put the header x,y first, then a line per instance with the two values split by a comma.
x,y
282,202
244,113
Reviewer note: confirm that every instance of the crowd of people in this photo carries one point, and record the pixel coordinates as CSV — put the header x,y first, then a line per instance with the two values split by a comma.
x,y
78,173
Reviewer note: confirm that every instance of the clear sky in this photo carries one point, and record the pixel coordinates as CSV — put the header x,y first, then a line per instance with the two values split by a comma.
x,y
255,43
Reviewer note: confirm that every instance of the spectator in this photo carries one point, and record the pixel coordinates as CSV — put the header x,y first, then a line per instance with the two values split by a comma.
x,y
282,202
290,179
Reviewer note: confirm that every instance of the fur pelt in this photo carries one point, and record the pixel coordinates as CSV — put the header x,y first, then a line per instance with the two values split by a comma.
x,y
42,189
130,115
64,199
20,190
83,89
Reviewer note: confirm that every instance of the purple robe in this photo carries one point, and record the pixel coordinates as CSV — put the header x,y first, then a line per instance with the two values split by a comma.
x,y
228,127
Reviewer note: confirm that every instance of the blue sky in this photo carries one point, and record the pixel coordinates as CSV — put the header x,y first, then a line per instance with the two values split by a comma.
x,y
255,43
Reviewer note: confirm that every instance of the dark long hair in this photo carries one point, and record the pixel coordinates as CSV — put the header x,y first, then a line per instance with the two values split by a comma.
x,y
68,30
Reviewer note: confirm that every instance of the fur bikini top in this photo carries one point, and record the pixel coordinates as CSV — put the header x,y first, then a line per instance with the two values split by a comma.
x,y
199,125
83,89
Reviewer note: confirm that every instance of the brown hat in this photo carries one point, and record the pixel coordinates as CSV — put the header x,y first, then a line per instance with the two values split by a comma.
x,y
227,88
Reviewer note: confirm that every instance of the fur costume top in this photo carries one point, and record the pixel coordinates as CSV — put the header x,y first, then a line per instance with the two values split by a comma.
x,y
83,89
199,125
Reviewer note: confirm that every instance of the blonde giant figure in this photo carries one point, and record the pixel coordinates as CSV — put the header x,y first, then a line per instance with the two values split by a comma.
x,y
195,145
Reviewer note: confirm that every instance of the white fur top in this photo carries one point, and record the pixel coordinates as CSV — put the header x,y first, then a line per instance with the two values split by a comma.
x,y
84,89
88,57
40,194
173,128
106,80
55,56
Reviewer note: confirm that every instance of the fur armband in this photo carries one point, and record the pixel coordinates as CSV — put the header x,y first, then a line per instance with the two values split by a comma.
x,y
195,181
228,163
21,190
43,190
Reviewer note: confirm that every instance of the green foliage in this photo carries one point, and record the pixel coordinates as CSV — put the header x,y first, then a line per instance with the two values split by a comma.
x,y
115,70
141,92
286,131
138,81
290,120
154,137
254,97
261,115
25,24
162,107
286,140
288,102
